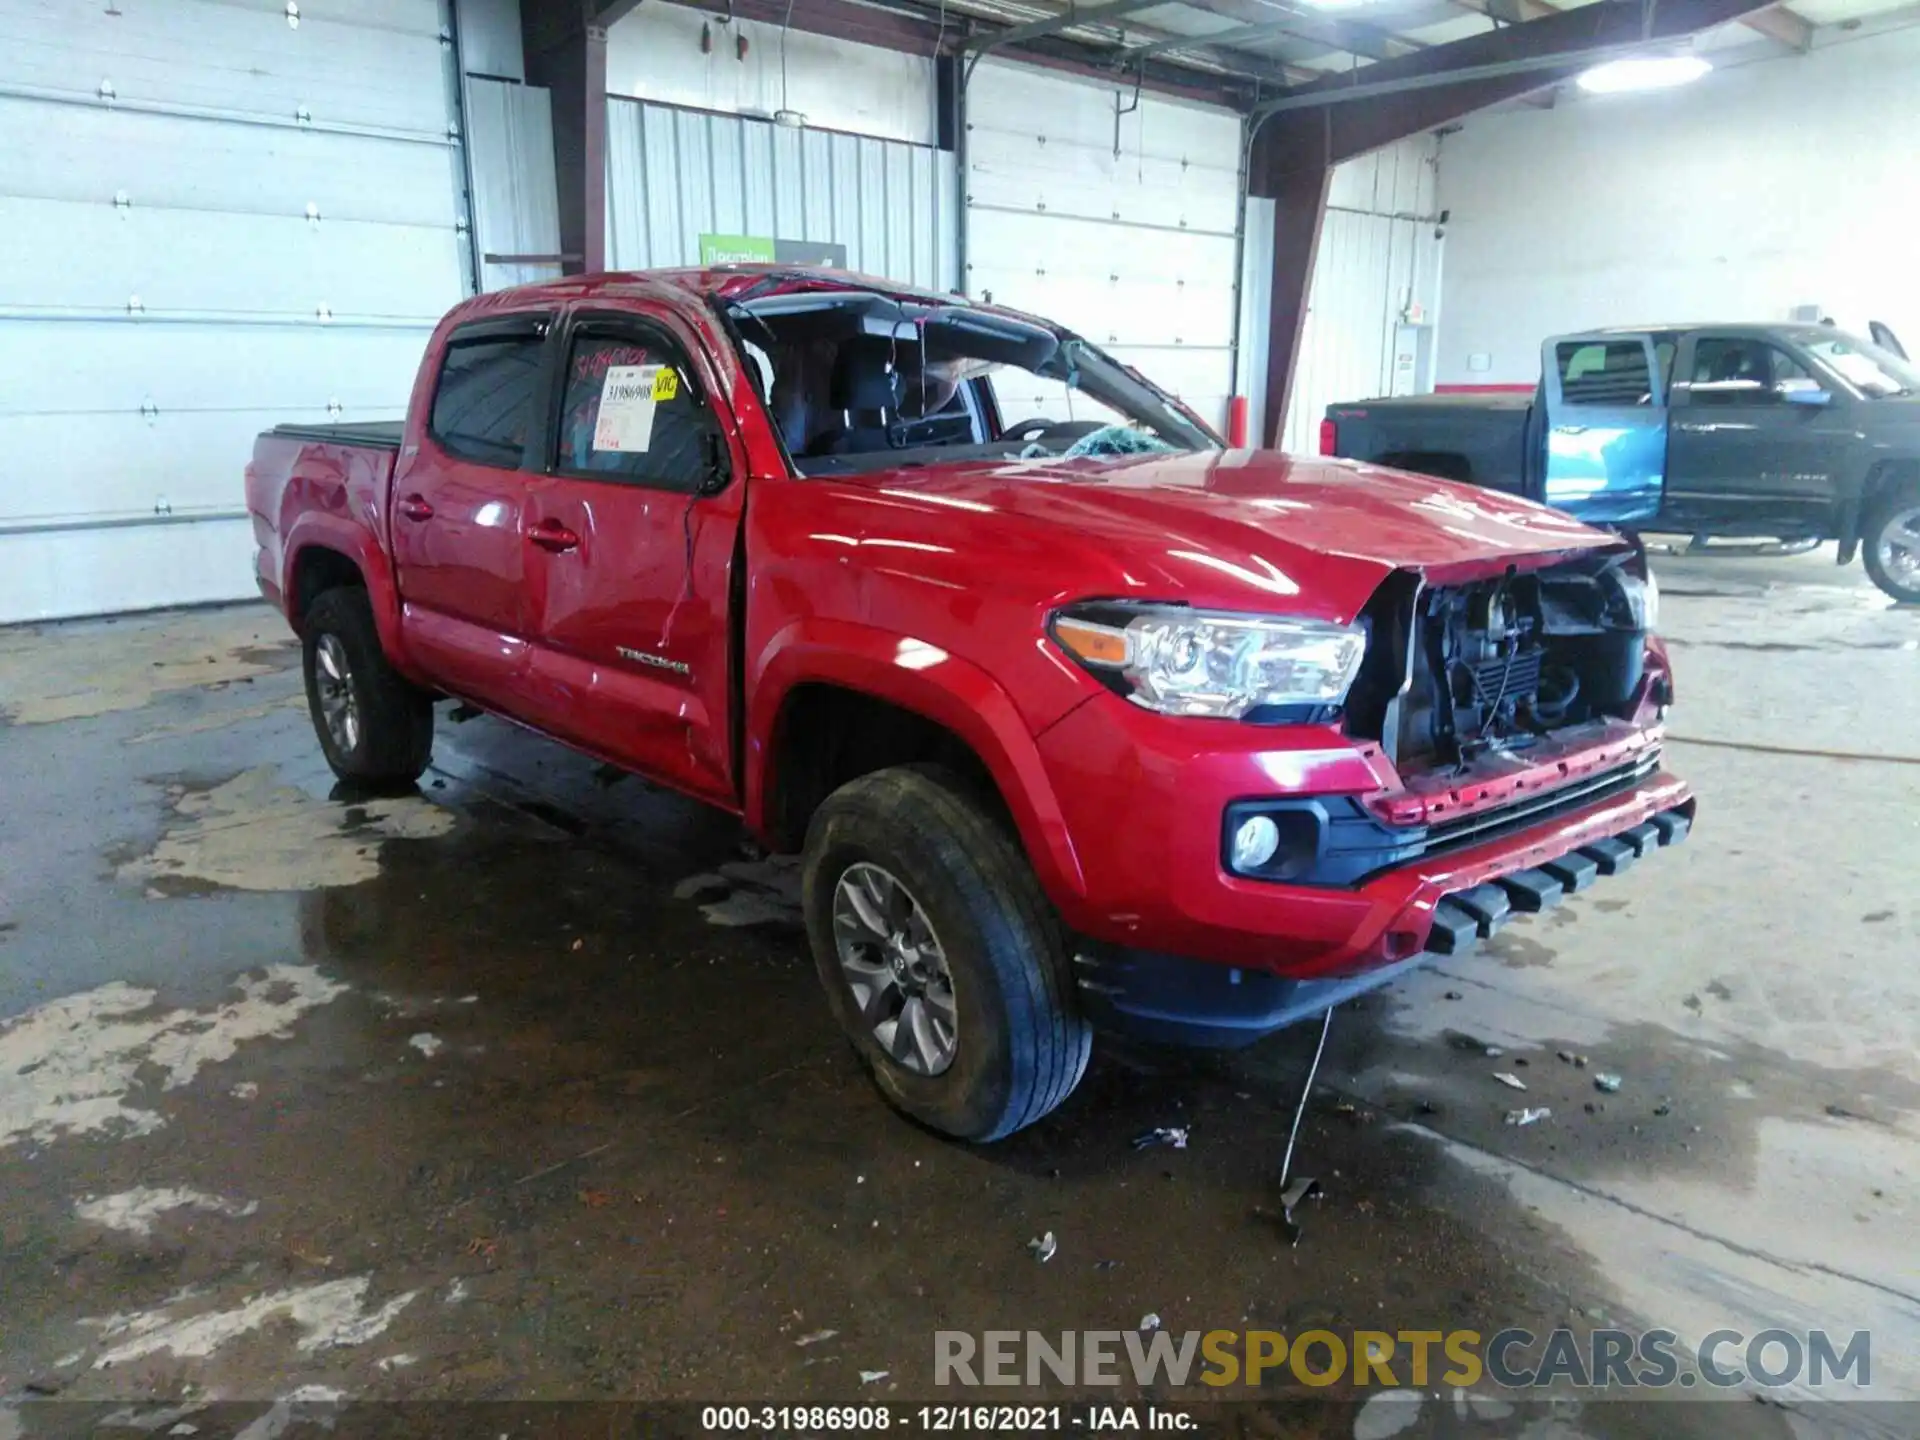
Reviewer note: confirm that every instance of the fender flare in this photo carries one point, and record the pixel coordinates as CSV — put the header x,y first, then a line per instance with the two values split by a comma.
x,y
951,692
315,529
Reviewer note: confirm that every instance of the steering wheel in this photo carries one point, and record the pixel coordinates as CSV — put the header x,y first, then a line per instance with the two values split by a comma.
x,y
1041,431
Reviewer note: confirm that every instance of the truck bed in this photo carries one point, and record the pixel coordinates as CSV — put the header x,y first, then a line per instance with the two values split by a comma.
x,y
1478,438
374,434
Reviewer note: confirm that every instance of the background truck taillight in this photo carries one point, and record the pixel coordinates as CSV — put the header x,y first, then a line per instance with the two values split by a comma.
x,y
1329,438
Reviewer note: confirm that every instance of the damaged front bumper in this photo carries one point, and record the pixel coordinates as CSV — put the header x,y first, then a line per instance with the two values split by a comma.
x,y
1176,1000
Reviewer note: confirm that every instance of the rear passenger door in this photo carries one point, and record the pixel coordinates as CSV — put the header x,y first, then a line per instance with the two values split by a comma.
x,y
1606,424
459,493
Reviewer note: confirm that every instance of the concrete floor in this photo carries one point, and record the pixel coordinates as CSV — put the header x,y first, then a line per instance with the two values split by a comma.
x,y
487,1093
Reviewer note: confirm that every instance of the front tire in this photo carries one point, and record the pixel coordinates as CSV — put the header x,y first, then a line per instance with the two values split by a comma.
x,y
1890,543
940,955
375,727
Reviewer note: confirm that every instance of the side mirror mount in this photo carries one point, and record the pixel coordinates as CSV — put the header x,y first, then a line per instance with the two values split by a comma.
x,y
719,464
1796,391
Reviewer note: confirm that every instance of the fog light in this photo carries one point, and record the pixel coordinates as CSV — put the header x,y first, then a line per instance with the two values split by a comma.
x,y
1254,842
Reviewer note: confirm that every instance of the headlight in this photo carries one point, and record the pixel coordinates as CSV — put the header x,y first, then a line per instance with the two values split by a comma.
x,y
1642,594
1198,662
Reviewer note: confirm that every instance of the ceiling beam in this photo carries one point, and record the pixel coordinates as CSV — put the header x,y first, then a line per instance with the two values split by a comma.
x,y
1350,37
1212,40
1069,19
1790,29
1777,22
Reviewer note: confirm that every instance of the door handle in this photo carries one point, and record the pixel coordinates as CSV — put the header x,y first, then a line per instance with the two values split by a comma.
x,y
415,507
552,535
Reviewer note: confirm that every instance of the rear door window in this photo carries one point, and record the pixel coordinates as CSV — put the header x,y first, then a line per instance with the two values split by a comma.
x,y
489,377
1610,372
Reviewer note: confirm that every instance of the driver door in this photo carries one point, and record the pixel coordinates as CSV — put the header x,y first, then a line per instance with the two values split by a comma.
x,y
1754,449
631,536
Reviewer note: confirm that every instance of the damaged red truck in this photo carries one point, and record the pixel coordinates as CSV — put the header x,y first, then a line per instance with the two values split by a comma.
x,y
1078,718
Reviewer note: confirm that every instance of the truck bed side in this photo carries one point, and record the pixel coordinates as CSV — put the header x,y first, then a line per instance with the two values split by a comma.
x,y
1480,439
318,497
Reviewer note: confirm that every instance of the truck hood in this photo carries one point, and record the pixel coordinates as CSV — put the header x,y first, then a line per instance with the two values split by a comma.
x,y
1244,526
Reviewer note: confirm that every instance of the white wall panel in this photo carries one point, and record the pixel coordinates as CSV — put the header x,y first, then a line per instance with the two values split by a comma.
x,y
1131,245
1378,253
516,201
654,54
1757,189
674,175
211,220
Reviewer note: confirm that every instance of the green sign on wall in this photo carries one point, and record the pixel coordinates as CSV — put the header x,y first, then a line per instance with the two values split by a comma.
x,y
736,249
765,250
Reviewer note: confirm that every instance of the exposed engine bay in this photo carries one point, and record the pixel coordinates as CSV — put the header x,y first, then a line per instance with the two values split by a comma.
x,y
1454,672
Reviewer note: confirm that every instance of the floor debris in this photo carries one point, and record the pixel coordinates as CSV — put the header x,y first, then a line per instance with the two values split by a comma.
x,y
1511,1081
1045,1248
1529,1116
873,1377
427,1045
1172,1136
1304,1188
1148,1323
1602,1080
814,1338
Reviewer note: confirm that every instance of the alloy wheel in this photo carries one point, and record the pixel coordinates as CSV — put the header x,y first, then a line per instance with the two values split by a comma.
x,y
334,681
895,966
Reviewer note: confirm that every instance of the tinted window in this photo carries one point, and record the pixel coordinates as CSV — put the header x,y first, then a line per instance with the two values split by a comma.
x,y
1738,370
485,395
1612,372
630,413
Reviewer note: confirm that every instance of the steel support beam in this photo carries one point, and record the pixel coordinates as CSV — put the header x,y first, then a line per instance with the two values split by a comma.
x,y
1321,125
566,51
1069,19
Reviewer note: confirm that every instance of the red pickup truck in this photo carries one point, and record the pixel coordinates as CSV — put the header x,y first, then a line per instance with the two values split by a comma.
x,y
1078,718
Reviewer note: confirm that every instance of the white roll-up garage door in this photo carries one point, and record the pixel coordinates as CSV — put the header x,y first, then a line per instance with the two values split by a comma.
x,y
215,215
1127,234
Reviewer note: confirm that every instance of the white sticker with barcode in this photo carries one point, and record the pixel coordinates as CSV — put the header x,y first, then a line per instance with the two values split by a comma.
x,y
628,399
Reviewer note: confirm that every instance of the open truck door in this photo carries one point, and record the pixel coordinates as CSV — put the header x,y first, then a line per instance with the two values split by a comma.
x,y
1606,427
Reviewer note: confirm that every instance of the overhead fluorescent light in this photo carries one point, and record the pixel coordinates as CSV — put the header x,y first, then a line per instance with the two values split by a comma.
x,y
1646,72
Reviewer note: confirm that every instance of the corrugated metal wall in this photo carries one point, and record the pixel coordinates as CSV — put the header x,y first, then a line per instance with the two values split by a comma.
x,y
675,174
515,202
1378,252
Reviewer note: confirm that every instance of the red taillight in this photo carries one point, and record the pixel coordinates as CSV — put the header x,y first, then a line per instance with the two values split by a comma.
x,y
1329,438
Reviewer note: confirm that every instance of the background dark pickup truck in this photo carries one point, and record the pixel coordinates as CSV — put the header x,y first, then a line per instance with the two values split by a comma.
x,y
1795,432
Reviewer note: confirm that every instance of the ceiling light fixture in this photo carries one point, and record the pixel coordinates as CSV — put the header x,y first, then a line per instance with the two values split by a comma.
x,y
1645,72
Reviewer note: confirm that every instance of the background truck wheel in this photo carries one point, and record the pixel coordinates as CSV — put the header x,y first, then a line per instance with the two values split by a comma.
x,y
1891,543
940,954
375,727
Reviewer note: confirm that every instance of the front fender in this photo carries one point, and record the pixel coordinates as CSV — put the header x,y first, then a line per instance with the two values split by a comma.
x,y
930,682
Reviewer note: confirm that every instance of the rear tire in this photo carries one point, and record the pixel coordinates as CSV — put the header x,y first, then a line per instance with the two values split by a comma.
x,y
1018,1044
1890,543
375,727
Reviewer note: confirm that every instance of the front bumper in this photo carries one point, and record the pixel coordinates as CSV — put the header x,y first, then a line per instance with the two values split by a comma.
x,y
1168,998
1142,798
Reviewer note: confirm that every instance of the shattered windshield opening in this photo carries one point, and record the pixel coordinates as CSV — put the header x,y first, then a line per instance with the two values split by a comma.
x,y
858,380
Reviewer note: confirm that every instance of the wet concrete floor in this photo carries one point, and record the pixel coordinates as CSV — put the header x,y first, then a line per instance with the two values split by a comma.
x,y
521,1087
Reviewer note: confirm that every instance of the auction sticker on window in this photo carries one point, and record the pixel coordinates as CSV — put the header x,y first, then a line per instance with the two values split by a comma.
x,y
628,397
